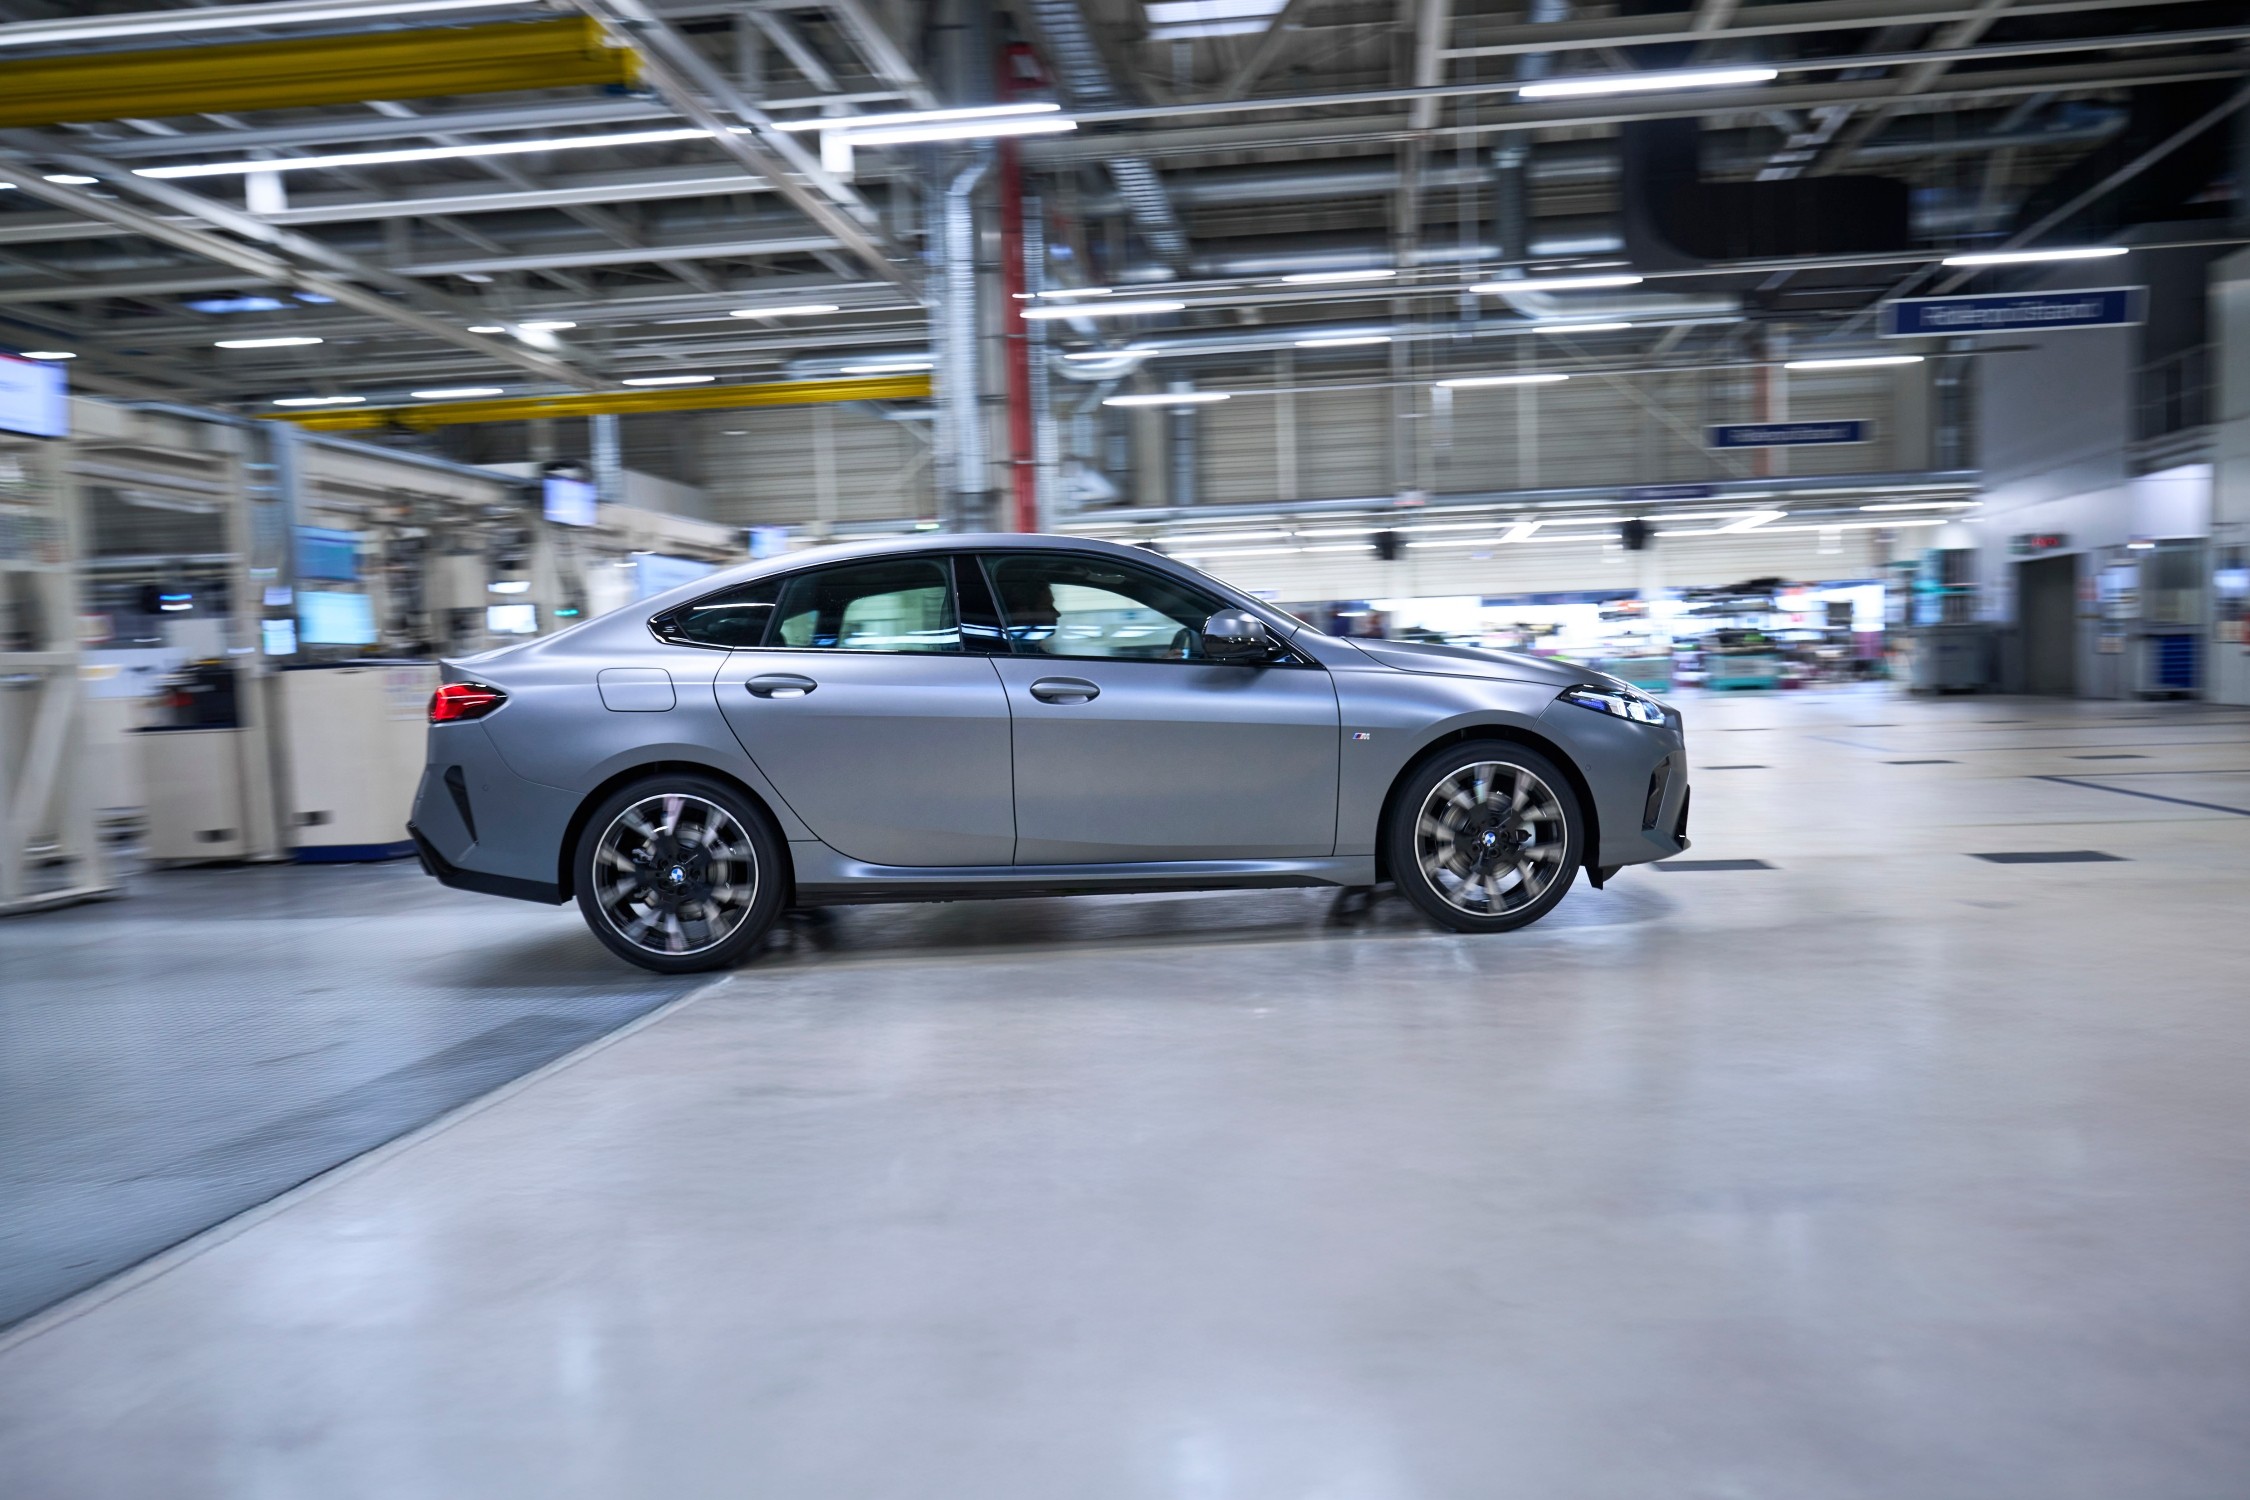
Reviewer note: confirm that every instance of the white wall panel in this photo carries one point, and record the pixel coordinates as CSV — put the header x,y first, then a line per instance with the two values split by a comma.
x,y
781,471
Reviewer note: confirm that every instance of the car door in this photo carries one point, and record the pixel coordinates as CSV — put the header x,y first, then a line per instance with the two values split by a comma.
x,y
1131,745
861,706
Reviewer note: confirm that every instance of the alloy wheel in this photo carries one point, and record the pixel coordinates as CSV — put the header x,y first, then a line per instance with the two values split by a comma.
x,y
1490,838
675,874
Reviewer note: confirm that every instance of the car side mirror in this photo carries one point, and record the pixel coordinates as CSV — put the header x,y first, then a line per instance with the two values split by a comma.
x,y
1236,636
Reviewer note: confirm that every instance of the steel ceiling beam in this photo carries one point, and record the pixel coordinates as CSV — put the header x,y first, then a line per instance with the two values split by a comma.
x,y
1763,20
624,255
1615,110
1267,50
686,81
909,387
344,280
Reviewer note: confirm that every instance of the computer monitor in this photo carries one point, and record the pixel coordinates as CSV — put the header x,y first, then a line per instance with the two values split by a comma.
x,y
34,397
568,502
327,554
326,618
512,619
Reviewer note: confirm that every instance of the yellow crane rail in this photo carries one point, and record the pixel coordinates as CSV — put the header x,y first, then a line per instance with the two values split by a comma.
x,y
907,387
417,64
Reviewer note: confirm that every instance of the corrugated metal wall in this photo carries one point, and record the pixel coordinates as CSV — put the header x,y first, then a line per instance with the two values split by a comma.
x,y
800,465
843,464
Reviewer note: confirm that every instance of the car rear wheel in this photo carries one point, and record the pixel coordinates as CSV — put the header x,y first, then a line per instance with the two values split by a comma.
x,y
679,874
1485,836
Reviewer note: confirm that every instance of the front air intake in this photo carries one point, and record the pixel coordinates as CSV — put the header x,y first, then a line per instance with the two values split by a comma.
x,y
1653,808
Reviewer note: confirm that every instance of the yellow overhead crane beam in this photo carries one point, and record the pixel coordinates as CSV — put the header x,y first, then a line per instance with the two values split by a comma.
x,y
907,387
418,64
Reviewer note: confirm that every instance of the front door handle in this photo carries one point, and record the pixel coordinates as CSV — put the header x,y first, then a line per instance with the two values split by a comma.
x,y
1064,690
780,685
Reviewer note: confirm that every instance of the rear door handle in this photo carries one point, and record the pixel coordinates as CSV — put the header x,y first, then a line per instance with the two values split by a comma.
x,y
780,685
1064,690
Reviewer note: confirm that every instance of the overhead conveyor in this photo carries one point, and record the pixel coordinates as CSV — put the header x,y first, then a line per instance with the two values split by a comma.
x,y
421,63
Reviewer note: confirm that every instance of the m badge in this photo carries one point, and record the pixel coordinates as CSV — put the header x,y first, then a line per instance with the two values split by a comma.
x,y
1361,734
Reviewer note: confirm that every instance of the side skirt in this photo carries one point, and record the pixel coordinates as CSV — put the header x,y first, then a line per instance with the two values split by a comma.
x,y
826,878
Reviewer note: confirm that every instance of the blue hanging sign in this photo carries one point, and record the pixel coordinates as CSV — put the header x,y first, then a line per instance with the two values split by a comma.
x,y
2015,312
1787,434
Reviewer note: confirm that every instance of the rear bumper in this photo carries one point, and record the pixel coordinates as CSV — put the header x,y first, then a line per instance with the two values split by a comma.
x,y
477,880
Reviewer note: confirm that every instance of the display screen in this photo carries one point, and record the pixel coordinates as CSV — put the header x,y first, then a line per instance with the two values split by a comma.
x,y
654,572
512,619
280,637
33,397
322,553
334,619
568,502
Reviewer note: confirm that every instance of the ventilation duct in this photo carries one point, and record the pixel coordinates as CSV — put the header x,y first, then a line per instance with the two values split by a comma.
x,y
1676,219
1083,77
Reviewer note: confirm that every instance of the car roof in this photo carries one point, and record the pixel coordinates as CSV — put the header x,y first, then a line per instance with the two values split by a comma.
x,y
945,541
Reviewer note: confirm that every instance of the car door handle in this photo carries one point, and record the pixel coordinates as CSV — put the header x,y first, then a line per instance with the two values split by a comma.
x,y
780,685
1064,690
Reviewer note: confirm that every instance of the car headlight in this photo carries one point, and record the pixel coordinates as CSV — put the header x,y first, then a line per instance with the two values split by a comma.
x,y
1620,702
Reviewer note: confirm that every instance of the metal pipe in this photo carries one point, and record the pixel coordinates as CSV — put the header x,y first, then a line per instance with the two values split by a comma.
x,y
958,382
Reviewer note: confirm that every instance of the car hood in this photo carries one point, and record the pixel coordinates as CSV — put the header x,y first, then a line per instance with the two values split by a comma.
x,y
1469,661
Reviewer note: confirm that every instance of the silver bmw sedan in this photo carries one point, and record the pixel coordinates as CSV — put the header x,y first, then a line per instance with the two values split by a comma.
x,y
970,716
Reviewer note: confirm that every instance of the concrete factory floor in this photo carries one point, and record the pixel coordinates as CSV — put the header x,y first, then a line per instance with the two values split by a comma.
x,y
1884,1170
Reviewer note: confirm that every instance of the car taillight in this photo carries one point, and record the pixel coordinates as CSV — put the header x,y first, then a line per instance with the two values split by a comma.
x,y
457,701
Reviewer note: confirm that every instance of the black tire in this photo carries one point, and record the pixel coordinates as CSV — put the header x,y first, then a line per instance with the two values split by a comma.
x,y
692,910
1489,861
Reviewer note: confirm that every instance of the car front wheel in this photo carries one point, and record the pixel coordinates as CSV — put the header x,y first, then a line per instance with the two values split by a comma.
x,y
679,874
1485,836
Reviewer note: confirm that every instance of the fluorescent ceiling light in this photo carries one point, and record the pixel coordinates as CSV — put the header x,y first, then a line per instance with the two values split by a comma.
x,y
349,159
799,310
1102,310
1169,398
965,130
1654,81
1183,20
72,179
920,117
1104,353
280,341
457,393
1852,362
1470,382
1075,291
510,586
905,367
486,328
1922,505
672,380
320,400
1344,341
1318,278
2012,257
167,23
547,325
1558,283
1578,327
48,354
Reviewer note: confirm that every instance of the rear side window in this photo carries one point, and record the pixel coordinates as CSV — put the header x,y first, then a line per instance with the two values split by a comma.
x,y
898,604
737,617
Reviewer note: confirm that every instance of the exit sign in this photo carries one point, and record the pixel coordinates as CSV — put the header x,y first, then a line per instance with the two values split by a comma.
x,y
2024,543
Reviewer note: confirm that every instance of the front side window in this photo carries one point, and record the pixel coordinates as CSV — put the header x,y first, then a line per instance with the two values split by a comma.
x,y
737,617
1056,604
898,604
